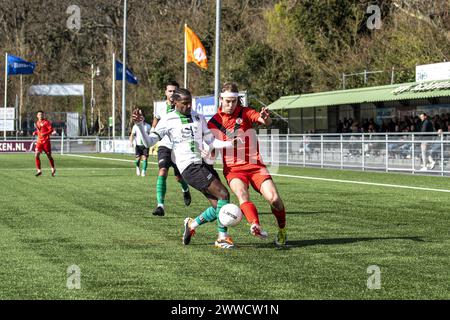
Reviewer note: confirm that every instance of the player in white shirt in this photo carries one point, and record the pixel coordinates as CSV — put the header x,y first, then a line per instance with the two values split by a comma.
x,y
165,159
140,150
188,131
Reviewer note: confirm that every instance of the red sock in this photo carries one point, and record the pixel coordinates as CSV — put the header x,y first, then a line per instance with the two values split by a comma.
x,y
281,217
38,163
250,212
52,163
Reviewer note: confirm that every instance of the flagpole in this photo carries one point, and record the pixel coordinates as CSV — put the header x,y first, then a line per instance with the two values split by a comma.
x,y
20,103
6,94
113,98
185,57
124,67
217,62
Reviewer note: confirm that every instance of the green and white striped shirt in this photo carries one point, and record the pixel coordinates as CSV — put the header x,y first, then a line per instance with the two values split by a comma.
x,y
187,134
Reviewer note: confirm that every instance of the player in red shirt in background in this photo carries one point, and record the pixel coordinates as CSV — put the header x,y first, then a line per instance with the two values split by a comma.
x,y
243,166
43,130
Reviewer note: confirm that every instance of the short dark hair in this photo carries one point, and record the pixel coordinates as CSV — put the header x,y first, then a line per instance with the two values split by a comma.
x,y
423,113
40,111
172,83
180,93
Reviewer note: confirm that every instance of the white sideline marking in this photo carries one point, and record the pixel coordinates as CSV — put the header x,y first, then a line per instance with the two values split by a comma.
x,y
101,158
361,182
301,177
67,169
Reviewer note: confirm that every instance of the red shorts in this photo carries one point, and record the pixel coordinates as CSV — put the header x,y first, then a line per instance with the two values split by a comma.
x,y
254,177
46,147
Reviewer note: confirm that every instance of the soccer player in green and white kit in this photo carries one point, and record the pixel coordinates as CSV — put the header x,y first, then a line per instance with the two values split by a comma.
x,y
165,159
190,136
140,150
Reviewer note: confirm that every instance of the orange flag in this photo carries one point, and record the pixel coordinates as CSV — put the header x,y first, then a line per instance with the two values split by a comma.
x,y
195,51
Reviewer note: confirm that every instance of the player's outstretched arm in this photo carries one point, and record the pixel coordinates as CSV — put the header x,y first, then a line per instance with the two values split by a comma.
x,y
211,141
149,140
155,122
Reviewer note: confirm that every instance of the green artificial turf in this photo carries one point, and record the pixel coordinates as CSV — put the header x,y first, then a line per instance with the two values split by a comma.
x,y
96,214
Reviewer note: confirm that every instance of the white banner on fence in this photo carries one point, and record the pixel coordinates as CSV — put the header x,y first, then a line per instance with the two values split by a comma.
x,y
119,146
9,125
10,114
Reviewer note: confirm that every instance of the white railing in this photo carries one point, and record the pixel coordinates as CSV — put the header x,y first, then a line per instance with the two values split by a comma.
x,y
378,151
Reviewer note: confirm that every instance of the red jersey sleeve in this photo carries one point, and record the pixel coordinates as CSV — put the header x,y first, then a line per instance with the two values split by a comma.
x,y
251,114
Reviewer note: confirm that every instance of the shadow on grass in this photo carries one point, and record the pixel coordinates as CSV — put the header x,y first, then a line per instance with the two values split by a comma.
x,y
289,213
313,242
333,241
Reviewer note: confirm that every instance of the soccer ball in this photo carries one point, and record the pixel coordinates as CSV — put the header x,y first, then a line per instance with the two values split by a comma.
x,y
230,215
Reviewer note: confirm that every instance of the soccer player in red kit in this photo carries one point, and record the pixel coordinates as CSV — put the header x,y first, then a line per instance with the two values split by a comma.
x,y
43,130
243,166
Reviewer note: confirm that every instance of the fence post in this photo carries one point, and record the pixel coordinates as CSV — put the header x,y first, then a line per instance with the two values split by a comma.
x,y
62,142
271,149
387,153
413,156
362,153
442,154
287,149
97,144
321,151
342,153
304,151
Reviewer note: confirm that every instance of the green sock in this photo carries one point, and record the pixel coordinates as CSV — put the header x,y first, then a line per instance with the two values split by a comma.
x,y
220,204
207,216
144,167
161,189
184,185
137,162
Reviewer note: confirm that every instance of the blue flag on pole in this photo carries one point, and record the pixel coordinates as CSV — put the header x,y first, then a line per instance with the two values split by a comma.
x,y
17,65
131,78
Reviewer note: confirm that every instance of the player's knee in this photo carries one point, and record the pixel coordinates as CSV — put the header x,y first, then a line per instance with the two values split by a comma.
x,y
163,172
224,194
274,200
278,203
242,195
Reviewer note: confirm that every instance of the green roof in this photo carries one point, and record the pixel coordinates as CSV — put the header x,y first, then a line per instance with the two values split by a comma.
x,y
409,91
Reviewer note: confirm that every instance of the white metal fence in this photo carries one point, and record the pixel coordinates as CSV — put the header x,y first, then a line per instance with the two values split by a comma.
x,y
378,151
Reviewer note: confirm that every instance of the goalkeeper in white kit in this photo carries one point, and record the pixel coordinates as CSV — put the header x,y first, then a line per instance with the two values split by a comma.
x,y
190,135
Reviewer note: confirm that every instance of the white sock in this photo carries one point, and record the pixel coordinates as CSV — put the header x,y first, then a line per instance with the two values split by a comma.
x,y
161,205
194,224
223,235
